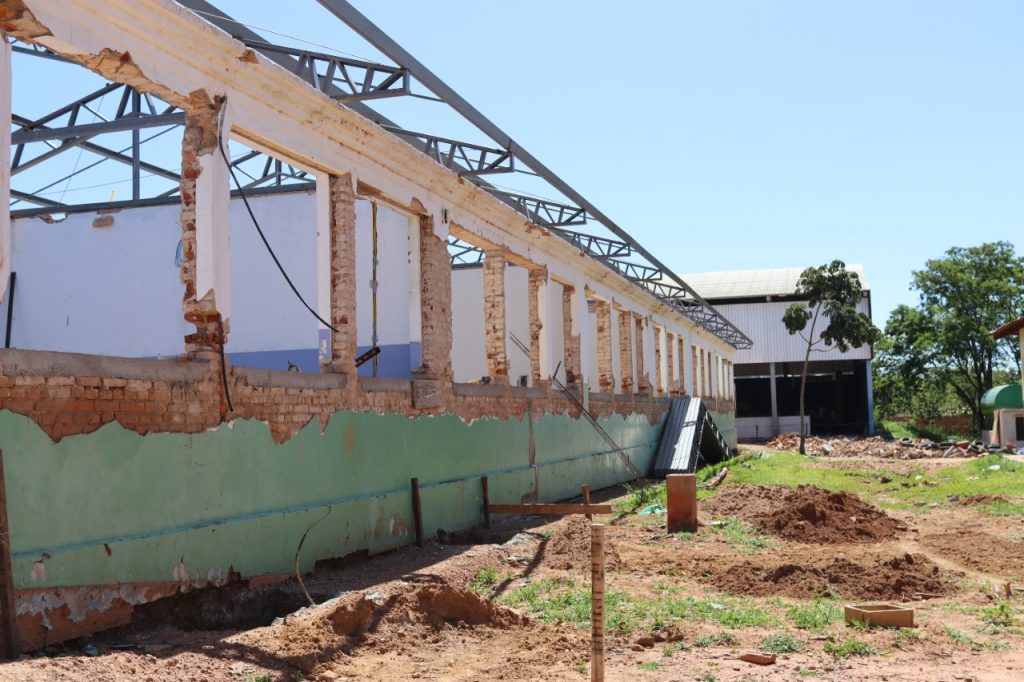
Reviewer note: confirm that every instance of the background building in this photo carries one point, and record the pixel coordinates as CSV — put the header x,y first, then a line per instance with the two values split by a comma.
x,y
839,394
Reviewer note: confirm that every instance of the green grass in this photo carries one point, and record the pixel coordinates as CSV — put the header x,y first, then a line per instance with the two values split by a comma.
x,y
650,665
851,647
714,639
782,644
905,636
484,582
815,615
640,496
738,534
899,430
1001,615
552,600
910,490
805,672
265,677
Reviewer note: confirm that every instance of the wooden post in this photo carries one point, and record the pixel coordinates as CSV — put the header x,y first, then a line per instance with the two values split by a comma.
x,y
586,499
8,607
597,602
682,502
417,511
487,502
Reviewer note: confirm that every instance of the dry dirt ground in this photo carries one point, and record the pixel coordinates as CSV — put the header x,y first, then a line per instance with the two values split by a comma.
x,y
513,604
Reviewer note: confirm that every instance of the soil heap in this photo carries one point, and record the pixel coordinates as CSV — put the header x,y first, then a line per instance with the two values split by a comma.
x,y
569,549
804,514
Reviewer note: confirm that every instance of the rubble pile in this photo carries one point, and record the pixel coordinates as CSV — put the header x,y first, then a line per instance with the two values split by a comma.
x,y
876,446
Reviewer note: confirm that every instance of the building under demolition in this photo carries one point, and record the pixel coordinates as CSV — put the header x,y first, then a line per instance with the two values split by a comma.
x,y
308,305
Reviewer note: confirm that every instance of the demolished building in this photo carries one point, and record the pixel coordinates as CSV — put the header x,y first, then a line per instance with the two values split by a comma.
x,y
172,417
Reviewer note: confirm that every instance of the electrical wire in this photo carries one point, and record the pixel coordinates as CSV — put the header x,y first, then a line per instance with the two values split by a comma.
x,y
278,33
256,224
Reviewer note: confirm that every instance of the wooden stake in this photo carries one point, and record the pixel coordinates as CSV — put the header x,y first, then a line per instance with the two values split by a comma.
x,y
597,602
8,608
417,511
586,499
487,502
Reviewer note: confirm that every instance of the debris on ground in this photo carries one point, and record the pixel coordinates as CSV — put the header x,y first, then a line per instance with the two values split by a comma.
x,y
876,577
876,446
804,514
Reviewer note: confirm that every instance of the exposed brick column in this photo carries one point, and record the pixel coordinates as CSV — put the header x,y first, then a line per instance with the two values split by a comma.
x,y
694,371
673,363
681,354
495,334
570,341
625,351
435,302
537,283
658,369
343,274
199,179
643,382
605,378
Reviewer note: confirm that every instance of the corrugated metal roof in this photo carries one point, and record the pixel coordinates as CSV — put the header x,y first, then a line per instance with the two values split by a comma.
x,y
747,283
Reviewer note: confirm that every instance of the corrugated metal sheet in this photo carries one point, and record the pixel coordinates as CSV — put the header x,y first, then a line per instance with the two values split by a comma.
x,y
689,437
762,322
746,283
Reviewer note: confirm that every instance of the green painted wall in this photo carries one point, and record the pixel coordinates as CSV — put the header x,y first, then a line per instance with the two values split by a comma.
x,y
231,498
726,423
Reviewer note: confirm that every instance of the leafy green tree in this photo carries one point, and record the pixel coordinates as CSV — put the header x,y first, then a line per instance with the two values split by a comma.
x,y
963,295
832,294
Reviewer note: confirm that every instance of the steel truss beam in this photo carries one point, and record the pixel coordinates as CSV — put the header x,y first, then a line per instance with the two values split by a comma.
x,y
464,158
542,211
355,20
344,79
464,254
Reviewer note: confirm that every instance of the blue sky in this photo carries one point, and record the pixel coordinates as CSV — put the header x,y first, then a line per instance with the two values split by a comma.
x,y
730,135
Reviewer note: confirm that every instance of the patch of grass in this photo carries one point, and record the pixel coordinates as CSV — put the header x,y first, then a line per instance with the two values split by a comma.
x,y
963,639
265,677
707,676
547,533
714,639
815,615
906,636
807,672
555,599
781,644
674,647
1000,615
650,665
684,536
1002,508
640,496
851,647
899,430
746,538
484,581
581,667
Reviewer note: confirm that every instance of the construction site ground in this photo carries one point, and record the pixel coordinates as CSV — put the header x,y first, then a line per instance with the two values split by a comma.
x,y
769,570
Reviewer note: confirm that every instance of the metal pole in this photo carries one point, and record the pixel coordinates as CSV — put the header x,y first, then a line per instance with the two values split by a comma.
x,y
10,308
597,602
417,511
136,152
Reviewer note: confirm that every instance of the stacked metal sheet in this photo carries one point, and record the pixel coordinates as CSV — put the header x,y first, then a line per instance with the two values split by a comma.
x,y
690,438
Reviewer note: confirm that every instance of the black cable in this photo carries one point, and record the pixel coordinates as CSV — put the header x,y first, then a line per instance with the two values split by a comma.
x,y
245,200
224,365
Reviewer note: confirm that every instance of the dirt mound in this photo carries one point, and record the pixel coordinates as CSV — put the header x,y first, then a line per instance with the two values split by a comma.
x,y
804,514
569,549
318,634
975,500
897,577
980,551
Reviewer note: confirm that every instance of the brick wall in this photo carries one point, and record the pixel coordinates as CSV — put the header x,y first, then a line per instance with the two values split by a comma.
x,y
605,378
68,393
495,345
625,350
571,342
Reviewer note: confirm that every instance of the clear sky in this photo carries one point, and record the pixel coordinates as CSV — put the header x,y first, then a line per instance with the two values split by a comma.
x,y
731,135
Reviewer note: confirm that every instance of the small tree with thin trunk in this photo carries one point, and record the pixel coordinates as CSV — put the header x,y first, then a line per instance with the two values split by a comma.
x,y
832,293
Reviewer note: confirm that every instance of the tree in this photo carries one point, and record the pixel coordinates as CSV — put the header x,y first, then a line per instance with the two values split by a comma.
x,y
832,293
963,295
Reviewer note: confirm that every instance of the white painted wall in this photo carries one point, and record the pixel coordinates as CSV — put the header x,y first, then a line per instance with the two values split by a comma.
x,y
110,291
762,322
469,360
